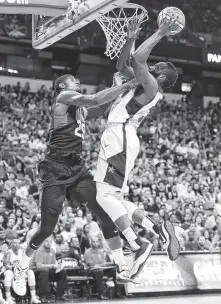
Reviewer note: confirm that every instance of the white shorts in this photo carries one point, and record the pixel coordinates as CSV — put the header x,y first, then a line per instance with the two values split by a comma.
x,y
120,146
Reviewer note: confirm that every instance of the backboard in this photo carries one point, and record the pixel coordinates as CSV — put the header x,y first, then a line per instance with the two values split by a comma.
x,y
48,30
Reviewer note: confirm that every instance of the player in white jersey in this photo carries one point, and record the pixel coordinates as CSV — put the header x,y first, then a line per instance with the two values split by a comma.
x,y
12,257
120,144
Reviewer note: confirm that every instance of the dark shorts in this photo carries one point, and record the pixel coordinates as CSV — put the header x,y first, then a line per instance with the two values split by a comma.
x,y
74,182
55,178
68,172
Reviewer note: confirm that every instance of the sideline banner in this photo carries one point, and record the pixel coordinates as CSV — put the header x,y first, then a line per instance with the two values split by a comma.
x,y
188,272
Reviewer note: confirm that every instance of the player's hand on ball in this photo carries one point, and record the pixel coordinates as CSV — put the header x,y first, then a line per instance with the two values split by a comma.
x,y
133,28
167,26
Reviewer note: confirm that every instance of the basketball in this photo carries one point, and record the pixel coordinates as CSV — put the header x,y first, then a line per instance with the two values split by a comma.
x,y
173,13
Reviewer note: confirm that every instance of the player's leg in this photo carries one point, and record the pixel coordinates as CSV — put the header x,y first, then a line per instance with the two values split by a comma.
x,y
110,176
8,277
85,193
114,165
108,201
51,201
32,286
138,217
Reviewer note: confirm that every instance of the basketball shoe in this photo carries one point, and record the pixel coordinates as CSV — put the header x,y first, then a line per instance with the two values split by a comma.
x,y
123,275
140,258
168,237
19,281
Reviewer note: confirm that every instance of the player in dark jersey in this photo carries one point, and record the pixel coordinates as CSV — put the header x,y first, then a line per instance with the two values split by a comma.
x,y
63,173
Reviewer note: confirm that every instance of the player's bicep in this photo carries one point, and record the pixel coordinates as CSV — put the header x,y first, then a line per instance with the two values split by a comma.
x,y
144,77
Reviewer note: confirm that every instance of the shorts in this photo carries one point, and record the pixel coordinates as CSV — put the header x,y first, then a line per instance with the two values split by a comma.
x,y
79,189
56,177
120,147
67,172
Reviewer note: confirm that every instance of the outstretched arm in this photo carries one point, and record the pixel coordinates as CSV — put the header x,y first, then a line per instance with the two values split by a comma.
x,y
123,64
141,55
105,96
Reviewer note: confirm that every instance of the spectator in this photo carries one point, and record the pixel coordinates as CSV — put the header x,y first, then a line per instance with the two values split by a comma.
x,y
67,234
46,270
80,220
10,230
31,205
207,239
94,228
61,247
201,244
74,251
12,256
191,244
94,259
83,240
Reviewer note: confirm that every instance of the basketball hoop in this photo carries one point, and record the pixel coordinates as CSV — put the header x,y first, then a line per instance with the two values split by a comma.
x,y
115,23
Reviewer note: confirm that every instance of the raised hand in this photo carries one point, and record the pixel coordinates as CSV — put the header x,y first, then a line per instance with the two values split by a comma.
x,y
168,26
133,28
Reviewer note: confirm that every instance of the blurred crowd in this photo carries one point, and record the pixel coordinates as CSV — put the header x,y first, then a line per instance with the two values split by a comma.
x,y
201,17
177,174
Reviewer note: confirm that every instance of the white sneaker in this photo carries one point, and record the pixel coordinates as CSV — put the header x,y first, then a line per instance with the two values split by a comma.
x,y
123,275
110,283
10,300
35,300
19,281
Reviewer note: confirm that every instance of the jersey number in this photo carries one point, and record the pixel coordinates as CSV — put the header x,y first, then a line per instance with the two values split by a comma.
x,y
80,130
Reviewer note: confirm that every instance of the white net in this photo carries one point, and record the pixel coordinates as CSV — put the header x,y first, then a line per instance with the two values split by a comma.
x,y
114,25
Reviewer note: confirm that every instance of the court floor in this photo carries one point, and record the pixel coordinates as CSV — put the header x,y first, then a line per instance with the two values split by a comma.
x,y
184,299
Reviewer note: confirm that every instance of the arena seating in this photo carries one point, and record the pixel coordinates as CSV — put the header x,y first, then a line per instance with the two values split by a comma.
x,y
177,172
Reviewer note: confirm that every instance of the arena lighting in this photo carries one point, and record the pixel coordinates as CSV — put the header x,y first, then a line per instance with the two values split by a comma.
x,y
11,71
216,58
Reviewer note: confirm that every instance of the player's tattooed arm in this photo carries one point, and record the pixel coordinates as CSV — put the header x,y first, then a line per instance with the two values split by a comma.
x,y
123,64
105,96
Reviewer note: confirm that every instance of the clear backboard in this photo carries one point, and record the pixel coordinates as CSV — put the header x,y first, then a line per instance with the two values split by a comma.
x,y
48,30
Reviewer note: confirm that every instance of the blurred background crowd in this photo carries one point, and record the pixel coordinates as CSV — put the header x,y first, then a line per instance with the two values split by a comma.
x,y
202,18
177,174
